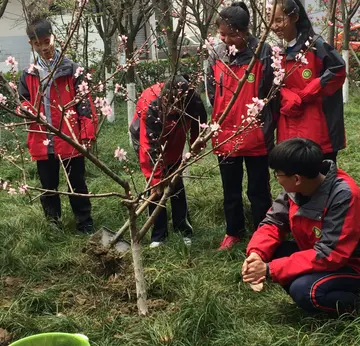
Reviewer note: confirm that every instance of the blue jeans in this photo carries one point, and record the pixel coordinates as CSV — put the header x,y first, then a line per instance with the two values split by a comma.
x,y
335,291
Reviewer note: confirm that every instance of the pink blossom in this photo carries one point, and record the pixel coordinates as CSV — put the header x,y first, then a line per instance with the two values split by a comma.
x,y
107,110
12,86
214,127
301,57
209,43
233,50
10,61
82,2
276,50
23,188
83,88
330,23
5,185
69,113
120,154
32,68
117,88
46,142
79,71
123,38
88,76
3,99
307,43
187,156
204,126
12,191
101,87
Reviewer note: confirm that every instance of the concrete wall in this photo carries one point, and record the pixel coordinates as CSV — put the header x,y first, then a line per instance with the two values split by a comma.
x,y
13,39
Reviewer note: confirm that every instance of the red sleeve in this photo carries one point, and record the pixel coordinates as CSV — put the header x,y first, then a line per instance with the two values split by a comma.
x,y
340,236
332,78
272,229
150,132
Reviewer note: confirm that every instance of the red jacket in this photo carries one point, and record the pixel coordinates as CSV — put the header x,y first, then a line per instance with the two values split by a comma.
x,y
326,229
221,84
151,137
311,100
62,91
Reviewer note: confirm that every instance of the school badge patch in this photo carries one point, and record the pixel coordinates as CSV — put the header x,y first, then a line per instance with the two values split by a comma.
x,y
317,232
251,78
307,74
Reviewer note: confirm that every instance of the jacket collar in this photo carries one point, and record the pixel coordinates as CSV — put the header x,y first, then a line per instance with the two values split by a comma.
x,y
315,207
65,68
300,43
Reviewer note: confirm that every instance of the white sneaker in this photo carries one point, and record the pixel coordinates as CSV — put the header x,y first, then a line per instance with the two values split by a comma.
x,y
155,244
187,241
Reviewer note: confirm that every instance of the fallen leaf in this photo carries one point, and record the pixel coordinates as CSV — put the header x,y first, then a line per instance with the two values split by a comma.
x,y
12,281
5,303
5,337
81,300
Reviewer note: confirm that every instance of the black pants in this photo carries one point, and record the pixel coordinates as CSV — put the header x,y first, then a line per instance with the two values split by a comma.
x,y
258,191
49,176
332,292
331,156
180,213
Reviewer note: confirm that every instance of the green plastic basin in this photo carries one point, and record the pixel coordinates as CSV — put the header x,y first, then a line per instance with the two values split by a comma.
x,y
53,339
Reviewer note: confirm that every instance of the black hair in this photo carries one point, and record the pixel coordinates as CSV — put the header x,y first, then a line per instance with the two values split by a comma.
x,y
39,27
293,7
236,16
178,91
297,156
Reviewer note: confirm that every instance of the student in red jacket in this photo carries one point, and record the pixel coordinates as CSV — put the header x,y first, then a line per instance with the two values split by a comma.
x,y
319,207
227,65
311,99
46,149
165,113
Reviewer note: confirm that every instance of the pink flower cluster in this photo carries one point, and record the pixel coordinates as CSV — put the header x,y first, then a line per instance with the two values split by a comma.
x,y
5,185
120,154
255,108
104,105
3,99
279,72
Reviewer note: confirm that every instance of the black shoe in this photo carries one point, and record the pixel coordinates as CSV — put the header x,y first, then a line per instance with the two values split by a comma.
x,y
86,229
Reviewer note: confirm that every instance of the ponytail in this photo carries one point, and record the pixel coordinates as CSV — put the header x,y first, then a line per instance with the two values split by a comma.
x,y
237,16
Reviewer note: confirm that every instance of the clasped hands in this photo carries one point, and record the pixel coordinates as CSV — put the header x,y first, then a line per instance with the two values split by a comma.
x,y
254,269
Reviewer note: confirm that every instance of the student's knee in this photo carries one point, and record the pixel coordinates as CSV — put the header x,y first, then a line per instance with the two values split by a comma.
x,y
300,292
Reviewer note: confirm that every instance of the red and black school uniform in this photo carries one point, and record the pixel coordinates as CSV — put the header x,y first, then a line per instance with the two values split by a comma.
x,y
254,145
45,148
162,137
320,269
311,98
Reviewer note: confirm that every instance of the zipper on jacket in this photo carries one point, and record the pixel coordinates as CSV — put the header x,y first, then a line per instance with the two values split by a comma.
x,y
221,83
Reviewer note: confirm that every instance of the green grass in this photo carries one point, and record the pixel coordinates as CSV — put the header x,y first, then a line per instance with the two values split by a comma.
x,y
47,283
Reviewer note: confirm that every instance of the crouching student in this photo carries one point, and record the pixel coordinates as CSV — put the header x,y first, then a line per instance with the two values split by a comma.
x,y
46,149
165,113
320,208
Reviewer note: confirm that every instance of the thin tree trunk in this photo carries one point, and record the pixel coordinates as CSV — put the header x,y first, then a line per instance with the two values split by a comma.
x,y
140,283
331,15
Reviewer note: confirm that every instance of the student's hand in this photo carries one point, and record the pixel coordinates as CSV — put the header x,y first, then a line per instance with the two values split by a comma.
x,y
252,258
256,272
